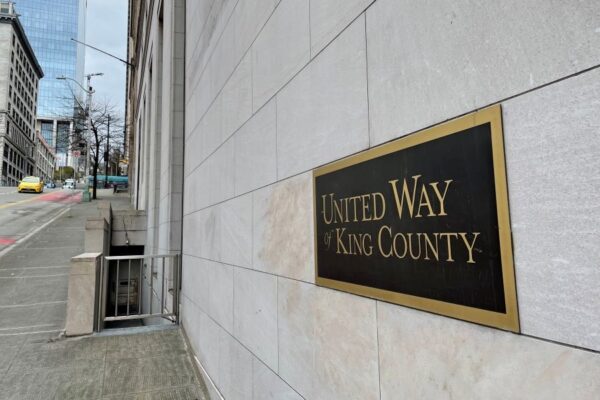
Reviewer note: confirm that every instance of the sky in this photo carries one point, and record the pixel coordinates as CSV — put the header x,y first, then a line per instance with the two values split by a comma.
x,y
106,29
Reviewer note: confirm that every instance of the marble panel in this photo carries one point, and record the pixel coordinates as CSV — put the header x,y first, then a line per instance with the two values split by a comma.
x,y
202,234
327,342
213,181
198,100
424,356
552,138
431,63
255,313
208,42
249,18
236,231
280,50
205,138
329,18
190,320
207,337
223,61
235,369
220,289
198,18
236,98
322,115
255,150
266,385
283,229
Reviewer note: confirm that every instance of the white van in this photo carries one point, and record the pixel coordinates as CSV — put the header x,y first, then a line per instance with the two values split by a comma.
x,y
69,184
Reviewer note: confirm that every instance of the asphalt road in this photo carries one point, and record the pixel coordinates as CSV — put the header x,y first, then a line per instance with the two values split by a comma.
x,y
22,213
34,272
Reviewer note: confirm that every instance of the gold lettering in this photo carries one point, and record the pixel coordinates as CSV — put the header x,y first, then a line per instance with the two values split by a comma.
x,y
410,200
324,212
441,197
410,245
364,245
376,216
338,211
424,202
355,242
339,232
379,241
429,244
365,207
463,235
449,244
394,245
346,202
353,200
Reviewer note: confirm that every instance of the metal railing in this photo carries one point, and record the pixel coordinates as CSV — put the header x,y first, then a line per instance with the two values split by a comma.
x,y
128,290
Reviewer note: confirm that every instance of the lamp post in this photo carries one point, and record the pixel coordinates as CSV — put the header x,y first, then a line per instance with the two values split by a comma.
x,y
89,91
107,154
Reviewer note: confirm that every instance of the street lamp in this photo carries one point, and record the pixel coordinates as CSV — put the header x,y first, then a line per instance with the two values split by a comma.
x,y
89,91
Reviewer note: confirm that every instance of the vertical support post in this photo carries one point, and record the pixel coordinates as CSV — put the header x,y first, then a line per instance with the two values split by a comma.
x,y
140,287
100,291
151,283
117,290
128,284
162,287
176,287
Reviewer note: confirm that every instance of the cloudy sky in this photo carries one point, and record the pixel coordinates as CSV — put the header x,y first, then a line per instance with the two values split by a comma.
x,y
107,30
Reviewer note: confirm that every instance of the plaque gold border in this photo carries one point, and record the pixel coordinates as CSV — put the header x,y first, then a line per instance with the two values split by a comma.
x,y
506,321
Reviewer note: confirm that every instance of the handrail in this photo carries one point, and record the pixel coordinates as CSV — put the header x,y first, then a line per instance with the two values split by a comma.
x,y
140,257
126,289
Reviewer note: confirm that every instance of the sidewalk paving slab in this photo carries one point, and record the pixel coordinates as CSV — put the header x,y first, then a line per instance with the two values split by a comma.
x,y
37,362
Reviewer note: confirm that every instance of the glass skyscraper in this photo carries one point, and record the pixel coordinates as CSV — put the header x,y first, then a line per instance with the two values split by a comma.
x,y
49,26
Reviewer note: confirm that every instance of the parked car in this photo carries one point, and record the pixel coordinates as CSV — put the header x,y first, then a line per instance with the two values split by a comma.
x,y
31,184
69,184
50,184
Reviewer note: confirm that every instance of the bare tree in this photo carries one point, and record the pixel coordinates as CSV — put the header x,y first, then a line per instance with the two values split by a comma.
x,y
105,132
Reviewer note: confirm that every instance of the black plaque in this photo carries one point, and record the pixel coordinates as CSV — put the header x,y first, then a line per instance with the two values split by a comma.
x,y
423,222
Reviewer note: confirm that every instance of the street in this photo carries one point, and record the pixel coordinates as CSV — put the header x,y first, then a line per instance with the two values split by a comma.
x,y
22,213
35,361
34,262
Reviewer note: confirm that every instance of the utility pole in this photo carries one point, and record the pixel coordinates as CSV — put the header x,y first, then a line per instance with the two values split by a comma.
x,y
88,127
89,91
107,154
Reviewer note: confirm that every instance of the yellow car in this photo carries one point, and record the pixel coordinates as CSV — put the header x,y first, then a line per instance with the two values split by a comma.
x,y
31,184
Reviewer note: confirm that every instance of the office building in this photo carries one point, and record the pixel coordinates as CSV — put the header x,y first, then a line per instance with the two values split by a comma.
x,y
50,25
20,74
45,160
375,199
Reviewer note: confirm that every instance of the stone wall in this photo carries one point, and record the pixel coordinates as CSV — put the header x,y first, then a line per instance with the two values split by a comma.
x,y
5,50
277,88
157,118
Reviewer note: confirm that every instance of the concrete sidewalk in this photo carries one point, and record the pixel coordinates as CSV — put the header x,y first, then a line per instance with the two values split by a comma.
x,y
154,365
37,362
34,275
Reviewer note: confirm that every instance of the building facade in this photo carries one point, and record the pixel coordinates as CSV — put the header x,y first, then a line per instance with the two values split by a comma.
x,y
234,107
20,75
45,160
50,27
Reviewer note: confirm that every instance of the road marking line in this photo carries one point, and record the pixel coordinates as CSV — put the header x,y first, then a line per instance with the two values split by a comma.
x,y
53,247
33,232
16,203
35,304
21,269
29,333
32,276
26,327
